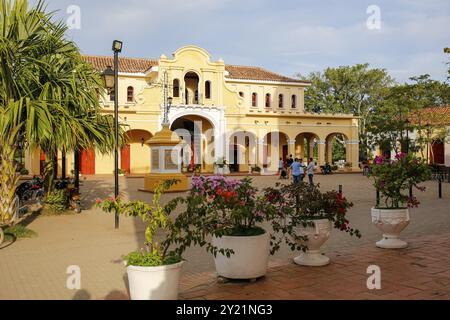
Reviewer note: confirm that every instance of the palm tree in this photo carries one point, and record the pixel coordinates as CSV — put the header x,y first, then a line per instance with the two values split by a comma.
x,y
46,85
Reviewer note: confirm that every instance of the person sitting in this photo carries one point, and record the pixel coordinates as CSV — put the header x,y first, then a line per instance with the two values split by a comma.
x,y
326,169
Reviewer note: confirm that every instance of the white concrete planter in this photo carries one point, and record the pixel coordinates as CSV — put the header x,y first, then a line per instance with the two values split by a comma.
x,y
391,222
250,258
219,170
317,235
154,283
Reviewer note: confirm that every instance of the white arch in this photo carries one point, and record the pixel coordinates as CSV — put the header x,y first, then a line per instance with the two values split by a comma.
x,y
173,116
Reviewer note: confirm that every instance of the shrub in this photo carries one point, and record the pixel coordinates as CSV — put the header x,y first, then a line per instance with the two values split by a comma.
x,y
256,169
58,200
178,233
296,205
233,204
149,259
394,178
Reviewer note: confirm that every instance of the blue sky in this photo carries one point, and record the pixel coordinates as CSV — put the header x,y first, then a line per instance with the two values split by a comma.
x,y
283,36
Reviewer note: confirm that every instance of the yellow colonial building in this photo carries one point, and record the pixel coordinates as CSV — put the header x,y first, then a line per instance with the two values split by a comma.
x,y
246,115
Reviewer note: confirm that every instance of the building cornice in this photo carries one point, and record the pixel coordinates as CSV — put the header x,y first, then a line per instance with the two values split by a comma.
x,y
269,82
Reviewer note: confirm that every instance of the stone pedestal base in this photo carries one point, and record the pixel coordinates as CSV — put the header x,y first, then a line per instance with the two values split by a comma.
x,y
312,258
391,242
152,180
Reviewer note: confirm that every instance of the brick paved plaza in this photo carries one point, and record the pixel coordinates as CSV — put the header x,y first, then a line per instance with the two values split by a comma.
x,y
36,268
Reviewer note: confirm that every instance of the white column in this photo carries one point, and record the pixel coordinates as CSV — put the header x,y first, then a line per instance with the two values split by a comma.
x,y
291,148
352,153
321,152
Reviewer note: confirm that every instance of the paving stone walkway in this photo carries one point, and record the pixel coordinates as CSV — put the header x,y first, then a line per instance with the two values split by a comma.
x,y
421,271
37,268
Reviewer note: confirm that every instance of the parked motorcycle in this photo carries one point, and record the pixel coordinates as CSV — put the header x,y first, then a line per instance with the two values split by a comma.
x,y
32,190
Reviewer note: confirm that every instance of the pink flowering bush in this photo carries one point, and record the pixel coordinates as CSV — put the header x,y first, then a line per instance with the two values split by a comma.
x,y
298,205
394,178
234,203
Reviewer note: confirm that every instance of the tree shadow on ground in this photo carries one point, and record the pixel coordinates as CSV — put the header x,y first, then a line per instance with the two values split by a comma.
x,y
81,295
113,295
93,189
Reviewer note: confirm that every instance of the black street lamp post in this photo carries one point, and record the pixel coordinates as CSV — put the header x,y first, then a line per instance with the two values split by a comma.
x,y
111,81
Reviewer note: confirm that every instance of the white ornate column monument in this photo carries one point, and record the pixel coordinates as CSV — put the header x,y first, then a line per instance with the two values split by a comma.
x,y
165,153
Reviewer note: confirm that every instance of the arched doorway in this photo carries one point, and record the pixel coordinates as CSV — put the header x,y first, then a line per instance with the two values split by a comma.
x,y
198,133
336,148
135,154
306,146
242,151
275,147
191,94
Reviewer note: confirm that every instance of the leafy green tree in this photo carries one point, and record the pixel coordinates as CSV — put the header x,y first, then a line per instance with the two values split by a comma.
x,y
447,50
50,91
354,89
401,111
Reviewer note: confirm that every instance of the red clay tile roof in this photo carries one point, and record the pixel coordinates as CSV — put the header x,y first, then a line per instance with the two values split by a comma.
x,y
127,65
138,65
432,115
257,73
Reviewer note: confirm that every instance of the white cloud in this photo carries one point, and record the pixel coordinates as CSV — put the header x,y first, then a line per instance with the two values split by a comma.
x,y
287,37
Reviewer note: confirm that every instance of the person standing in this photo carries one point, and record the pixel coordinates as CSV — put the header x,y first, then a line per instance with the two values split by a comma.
x,y
280,166
289,162
296,171
302,170
310,171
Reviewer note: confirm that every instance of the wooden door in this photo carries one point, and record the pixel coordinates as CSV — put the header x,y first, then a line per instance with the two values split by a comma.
x,y
125,158
437,156
87,162
285,152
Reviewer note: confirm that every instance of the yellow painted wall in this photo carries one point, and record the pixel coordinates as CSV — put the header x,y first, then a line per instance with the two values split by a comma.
x,y
144,112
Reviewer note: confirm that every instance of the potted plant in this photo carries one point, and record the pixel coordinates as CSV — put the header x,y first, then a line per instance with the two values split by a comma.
x,y
154,272
121,172
393,179
303,218
348,166
235,210
220,165
256,169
